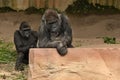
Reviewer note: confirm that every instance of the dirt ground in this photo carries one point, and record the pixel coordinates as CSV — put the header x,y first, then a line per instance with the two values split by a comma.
x,y
87,30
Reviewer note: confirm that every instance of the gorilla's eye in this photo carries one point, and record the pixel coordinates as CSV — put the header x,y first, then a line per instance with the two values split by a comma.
x,y
52,21
26,30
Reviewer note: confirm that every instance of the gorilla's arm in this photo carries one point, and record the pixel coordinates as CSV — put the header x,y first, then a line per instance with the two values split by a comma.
x,y
44,38
18,43
33,44
67,39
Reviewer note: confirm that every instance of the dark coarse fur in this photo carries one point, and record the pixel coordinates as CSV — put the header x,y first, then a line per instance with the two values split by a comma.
x,y
24,39
55,32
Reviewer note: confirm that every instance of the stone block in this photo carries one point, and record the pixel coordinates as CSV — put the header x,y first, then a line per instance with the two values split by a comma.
x,y
78,64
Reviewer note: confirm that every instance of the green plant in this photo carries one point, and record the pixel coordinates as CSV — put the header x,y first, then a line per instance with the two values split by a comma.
x,y
6,9
84,7
109,40
7,53
33,10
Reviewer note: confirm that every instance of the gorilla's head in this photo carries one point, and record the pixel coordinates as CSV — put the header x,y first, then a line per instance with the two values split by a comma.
x,y
52,22
25,30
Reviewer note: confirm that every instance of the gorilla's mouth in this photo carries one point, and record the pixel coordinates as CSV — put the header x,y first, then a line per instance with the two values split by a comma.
x,y
55,34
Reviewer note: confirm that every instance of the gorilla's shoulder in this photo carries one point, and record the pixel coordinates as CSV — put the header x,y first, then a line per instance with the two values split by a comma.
x,y
16,32
64,16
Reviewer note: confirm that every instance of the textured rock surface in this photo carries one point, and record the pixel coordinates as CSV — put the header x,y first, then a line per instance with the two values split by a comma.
x,y
78,64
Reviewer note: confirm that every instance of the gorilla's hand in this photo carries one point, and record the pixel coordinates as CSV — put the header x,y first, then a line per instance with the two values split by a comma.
x,y
62,49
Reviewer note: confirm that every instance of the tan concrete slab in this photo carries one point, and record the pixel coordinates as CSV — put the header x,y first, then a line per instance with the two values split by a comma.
x,y
112,59
78,64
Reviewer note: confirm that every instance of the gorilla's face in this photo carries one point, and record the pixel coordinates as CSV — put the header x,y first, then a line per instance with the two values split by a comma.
x,y
25,33
25,30
54,28
52,23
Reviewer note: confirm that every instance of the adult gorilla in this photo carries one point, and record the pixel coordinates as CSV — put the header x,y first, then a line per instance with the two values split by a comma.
x,y
55,32
24,39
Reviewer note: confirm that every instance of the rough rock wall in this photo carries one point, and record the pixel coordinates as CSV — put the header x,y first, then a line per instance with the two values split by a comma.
x,y
78,64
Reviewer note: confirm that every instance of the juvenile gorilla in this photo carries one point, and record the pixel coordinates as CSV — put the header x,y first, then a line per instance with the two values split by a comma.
x,y
24,39
55,32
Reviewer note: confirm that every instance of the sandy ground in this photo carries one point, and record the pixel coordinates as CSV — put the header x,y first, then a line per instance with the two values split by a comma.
x,y
87,30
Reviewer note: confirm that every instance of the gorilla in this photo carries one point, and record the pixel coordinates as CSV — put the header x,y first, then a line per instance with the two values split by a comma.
x,y
55,32
24,39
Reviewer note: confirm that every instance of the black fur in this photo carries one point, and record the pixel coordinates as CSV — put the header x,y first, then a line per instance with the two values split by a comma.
x,y
24,39
55,32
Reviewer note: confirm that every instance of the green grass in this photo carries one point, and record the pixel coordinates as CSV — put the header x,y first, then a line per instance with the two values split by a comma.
x,y
7,62
7,53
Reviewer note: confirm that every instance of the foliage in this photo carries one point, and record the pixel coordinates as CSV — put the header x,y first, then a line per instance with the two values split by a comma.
x,y
7,61
30,10
84,7
109,40
33,10
6,9
7,53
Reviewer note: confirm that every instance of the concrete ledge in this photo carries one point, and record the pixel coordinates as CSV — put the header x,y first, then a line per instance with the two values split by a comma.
x,y
78,64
